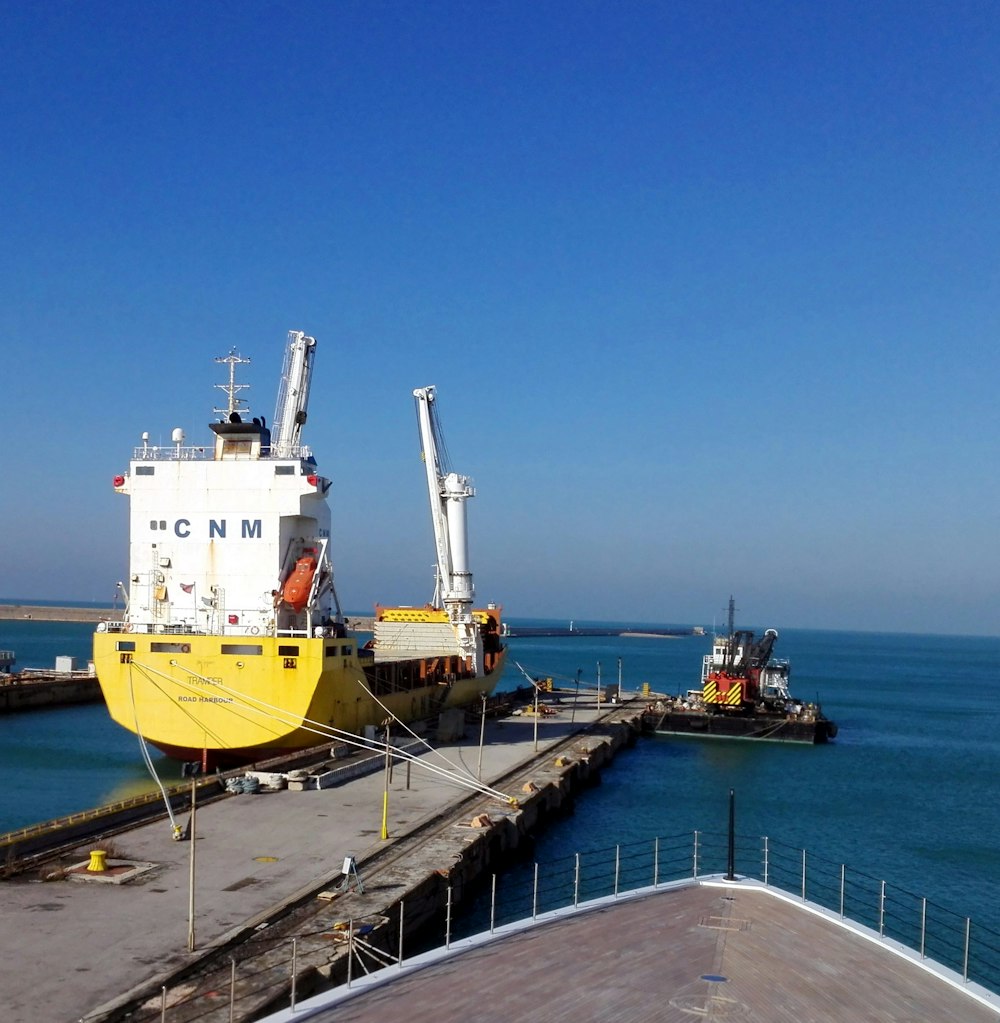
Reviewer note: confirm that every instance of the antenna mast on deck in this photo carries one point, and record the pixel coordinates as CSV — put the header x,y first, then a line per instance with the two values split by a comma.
x,y
232,389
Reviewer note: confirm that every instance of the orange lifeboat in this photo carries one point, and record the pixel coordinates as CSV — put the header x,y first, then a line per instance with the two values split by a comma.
x,y
295,592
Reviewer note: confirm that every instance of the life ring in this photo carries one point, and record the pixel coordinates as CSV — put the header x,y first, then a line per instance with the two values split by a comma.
x,y
185,648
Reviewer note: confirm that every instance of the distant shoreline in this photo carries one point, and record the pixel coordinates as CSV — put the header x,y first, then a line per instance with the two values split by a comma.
x,y
44,613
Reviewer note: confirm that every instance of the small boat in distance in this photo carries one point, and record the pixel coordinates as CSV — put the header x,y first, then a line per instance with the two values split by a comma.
x,y
234,646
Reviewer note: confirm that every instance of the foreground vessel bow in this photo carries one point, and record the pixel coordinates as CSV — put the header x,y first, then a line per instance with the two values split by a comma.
x,y
234,645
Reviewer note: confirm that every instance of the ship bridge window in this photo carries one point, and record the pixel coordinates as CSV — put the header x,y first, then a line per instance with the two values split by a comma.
x,y
284,470
288,651
242,649
153,524
170,648
125,644
145,470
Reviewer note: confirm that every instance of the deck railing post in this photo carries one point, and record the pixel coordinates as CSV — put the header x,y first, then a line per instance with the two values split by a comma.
x,y
576,880
767,860
493,903
731,851
295,951
232,989
881,911
534,895
402,906
163,1004
350,950
447,920
923,928
803,875
695,874
965,963
617,867
656,861
843,887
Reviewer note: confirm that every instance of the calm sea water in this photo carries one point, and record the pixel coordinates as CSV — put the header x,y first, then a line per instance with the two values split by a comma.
x,y
906,792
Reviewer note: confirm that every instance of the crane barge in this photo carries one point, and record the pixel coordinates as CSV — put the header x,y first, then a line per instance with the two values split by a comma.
x,y
744,695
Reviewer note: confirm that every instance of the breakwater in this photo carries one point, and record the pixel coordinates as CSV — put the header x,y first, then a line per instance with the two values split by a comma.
x,y
537,632
44,613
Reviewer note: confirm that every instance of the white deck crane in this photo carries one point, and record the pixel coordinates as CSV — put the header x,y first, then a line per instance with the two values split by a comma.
x,y
448,492
293,394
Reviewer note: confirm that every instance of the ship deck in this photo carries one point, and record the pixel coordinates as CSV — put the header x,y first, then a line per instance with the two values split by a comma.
x,y
710,951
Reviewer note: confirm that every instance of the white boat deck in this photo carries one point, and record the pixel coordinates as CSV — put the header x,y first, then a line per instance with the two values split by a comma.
x,y
712,951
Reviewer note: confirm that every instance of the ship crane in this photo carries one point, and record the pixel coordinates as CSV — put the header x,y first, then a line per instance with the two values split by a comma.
x,y
448,493
293,394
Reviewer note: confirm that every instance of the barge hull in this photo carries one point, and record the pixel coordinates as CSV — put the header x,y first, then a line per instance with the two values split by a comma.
x,y
738,726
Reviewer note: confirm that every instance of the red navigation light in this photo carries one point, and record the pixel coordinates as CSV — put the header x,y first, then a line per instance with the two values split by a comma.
x,y
312,480
119,481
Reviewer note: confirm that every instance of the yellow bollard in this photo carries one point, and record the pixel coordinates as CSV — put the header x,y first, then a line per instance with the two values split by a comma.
x,y
97,861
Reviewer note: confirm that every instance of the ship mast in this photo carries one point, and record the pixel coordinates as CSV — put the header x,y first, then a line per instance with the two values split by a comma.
x,y
236,404
448,492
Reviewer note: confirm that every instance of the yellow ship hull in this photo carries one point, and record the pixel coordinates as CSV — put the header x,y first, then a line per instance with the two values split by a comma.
x,y
229,700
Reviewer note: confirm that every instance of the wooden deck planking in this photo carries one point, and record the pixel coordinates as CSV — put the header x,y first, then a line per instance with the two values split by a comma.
x,y
643,960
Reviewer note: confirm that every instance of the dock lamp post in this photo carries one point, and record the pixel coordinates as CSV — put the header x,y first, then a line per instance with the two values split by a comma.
x,y
385,786
572,716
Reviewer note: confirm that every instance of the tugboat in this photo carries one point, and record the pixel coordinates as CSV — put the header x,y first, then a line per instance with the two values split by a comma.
x,y
233,646
744,695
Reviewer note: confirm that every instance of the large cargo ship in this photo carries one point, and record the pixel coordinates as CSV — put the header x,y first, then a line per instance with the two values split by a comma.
x,y
233,646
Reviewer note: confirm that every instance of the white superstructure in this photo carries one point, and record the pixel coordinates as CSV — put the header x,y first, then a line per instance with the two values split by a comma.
x,y
217,532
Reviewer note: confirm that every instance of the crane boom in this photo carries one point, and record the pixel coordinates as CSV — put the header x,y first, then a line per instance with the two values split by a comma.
x,y
293,394
448,493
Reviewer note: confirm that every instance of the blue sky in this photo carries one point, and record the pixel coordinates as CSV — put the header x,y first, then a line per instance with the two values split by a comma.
x,y
709,290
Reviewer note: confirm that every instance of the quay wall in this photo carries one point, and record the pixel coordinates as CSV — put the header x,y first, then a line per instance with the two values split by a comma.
x,y
409,883
18,692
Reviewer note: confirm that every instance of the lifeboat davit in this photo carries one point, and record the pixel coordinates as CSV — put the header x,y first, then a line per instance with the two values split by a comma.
x,y
295,592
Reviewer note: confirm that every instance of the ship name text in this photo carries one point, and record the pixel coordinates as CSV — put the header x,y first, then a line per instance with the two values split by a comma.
x,y
249,529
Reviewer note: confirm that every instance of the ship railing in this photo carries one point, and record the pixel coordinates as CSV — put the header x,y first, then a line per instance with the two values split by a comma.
x,y
596,879
206,452
248,627
892,913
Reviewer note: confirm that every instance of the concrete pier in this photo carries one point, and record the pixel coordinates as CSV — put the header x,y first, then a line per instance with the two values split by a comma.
x,y
102,951
44,689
